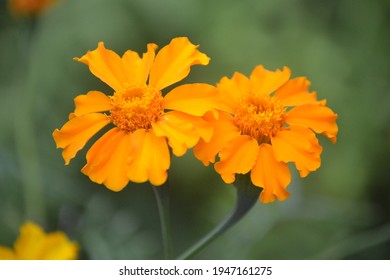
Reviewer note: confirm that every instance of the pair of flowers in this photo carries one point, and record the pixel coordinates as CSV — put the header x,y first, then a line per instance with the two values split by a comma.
x,y
255,124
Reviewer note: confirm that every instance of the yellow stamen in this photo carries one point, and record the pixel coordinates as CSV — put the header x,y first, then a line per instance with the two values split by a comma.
x,y
260,116
136,107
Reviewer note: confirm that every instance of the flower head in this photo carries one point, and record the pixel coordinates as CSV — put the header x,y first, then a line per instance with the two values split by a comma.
x,y
145,122
267,120
34,244
29,7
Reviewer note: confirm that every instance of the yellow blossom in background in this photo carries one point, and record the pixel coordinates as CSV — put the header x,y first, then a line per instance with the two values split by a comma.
x,y
145,122
29,7
267,121
34,244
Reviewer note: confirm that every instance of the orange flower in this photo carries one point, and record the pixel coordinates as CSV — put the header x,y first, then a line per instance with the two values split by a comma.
x,y
145,122
34,244
29,7
267,121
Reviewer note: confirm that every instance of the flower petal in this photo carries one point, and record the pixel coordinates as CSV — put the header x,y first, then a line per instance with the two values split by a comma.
x,y
106,65
137,69
181,134
271,175
6,253
57,246
92,102
296,92
34,244
238,156
30,242
315,148
298,146
193,99
224,131
264,82
108,159
319,118
73,136
232,90
203,129
173,62
151,158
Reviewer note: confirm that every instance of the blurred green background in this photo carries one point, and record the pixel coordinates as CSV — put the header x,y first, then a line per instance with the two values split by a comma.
x,y
341,211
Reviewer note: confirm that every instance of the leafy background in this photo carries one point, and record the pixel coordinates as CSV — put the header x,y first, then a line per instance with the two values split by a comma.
x,y
341,211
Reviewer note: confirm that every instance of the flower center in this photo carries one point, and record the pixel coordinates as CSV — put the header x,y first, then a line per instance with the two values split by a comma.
x,y
260,117
136,107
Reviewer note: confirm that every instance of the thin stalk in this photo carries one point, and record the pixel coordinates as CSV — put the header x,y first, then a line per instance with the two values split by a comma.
x,y
244,202
162,198
356,244
25,136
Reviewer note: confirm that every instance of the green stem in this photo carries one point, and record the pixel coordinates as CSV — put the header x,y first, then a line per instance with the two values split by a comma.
x,y
247,196
25,136
356,244
162,198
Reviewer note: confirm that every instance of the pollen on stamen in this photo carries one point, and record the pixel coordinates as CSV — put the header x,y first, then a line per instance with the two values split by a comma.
x,y
260,117
136,107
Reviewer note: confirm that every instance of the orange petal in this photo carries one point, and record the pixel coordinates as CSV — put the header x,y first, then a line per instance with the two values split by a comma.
x,y
238,156
224,131
296,92
231,90
193,99
108,159
264,82
319,118
151,158
77,131
271,175
181,134
137,69
173,62
106,65
315,148
159,159
92,102
203,128
298,146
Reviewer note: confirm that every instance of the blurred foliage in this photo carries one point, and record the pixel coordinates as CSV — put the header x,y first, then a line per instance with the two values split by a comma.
x,y
341,211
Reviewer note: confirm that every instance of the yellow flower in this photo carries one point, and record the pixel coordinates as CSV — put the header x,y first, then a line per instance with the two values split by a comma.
x,y
267,121
29,7
145,122
34,244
